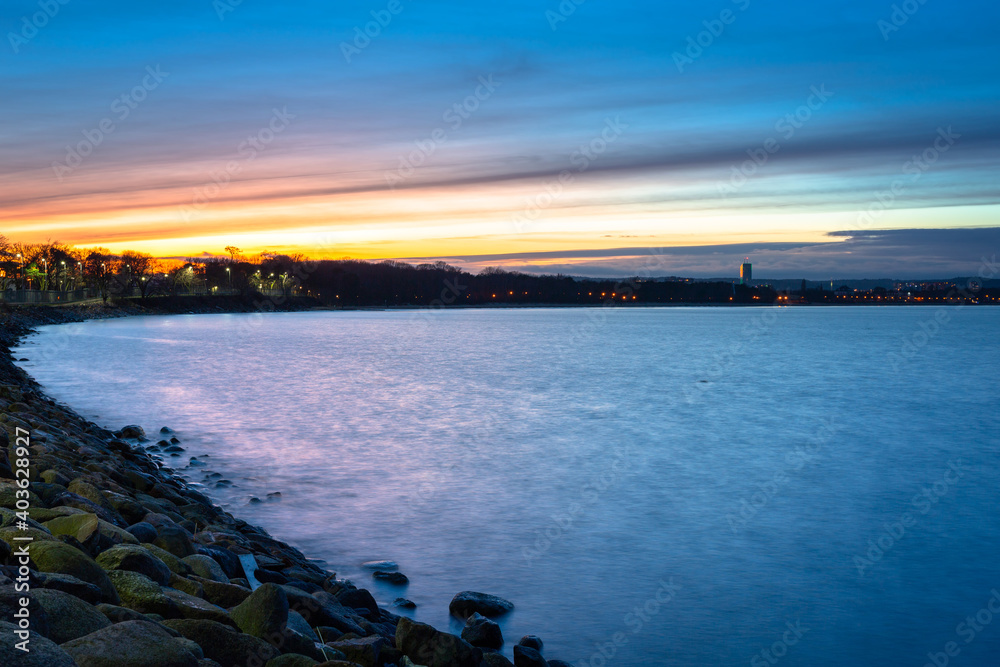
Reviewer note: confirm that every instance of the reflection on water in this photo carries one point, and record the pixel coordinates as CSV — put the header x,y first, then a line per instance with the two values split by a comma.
x,y
584,463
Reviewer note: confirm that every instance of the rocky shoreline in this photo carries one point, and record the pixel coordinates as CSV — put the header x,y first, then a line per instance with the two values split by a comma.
x,y
110,559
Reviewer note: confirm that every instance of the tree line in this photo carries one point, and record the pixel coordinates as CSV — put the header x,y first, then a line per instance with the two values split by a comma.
x,y
346,282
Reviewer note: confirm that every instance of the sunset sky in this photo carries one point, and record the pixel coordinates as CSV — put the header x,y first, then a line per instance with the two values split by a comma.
x,y
583,138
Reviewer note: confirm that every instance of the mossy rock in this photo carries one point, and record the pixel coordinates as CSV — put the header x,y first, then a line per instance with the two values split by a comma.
x,y
139,592
87,490
55,556
225,595
264,613
9,498
44,652
189,586
130,644
221,643
206,567
43,515
191,607
10,534
81,526
134,558
176,565
69,617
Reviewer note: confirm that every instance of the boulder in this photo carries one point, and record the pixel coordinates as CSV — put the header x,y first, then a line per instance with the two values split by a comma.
x,y
8,496
394,578
291,660
130,644
425,645
496,660
69,617
531,641
43,652
482,632
190,606
189,586
66,583
174,539
206,567
139,592
403,603
10,603
223,594
359,598
175,564
264,613
117,614
222,644
87,490
366,651
62,558
134,558
142,531
131,432
467,603
330,612
528,657
299,624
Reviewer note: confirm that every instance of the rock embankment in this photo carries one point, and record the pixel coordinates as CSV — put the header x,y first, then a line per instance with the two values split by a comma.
x,y
128,566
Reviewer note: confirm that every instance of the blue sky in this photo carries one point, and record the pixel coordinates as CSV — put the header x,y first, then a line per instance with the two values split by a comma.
x,y
348,176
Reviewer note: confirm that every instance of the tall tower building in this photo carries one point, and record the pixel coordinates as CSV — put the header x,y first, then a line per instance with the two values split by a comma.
x,y
746,272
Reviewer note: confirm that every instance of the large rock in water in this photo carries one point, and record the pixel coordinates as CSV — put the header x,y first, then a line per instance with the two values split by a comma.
x,y
69,617
496,660
467,603
62,558
43,652
482,632
425,645
135,559
525,656
130,644
264,613
221,643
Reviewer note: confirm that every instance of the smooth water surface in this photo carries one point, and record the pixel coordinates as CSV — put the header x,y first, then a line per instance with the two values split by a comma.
x,y
649,486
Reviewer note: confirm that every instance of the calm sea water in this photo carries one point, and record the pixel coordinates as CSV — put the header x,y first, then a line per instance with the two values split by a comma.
x,y
684,486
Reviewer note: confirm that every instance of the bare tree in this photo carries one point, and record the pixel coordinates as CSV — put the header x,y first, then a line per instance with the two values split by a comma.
x,y
140,272
100,269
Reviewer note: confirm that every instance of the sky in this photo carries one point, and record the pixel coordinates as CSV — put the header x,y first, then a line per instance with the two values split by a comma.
x,y
852,139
